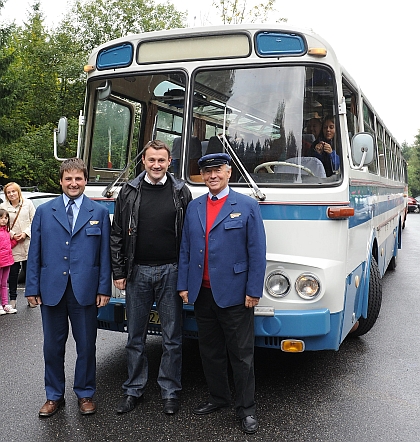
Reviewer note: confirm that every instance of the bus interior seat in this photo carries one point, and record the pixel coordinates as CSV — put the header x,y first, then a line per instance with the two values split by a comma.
x,y
312,163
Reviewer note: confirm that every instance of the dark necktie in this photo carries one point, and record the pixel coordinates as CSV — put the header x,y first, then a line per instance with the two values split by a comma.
x,y
214,198
70,214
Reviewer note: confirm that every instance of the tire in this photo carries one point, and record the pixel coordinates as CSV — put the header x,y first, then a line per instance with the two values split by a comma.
x,y
393,263
374,301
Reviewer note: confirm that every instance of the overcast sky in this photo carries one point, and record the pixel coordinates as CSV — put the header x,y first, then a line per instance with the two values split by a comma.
x,y
376,43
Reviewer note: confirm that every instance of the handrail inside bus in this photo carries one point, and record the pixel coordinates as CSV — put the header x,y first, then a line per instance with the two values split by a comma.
x,y
108,191
242,169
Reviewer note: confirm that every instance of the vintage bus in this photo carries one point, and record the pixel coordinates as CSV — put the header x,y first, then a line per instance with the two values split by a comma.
x,y
333,220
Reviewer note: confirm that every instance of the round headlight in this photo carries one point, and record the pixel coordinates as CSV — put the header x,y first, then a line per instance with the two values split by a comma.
x,y
277,284
308,286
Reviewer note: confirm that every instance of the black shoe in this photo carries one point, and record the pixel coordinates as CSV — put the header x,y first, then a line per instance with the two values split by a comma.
x,y
127,404
170,406
249,424
207,408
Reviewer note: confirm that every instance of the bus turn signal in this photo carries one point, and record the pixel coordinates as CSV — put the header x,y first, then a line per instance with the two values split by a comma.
x,y
340,212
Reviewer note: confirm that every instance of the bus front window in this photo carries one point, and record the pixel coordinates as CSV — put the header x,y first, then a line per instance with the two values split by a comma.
x,y
269,117
136,109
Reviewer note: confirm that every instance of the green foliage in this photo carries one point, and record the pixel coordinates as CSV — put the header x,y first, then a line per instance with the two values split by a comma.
x,y
93,22
412,155
30,160
42,78
237,11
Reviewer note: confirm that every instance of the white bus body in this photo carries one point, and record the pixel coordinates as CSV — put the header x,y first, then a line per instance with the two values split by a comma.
x,y
250,90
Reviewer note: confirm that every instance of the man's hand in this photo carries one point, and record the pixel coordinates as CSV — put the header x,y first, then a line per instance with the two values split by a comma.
x,y
101,300
120,283
251,302
34,300
184,296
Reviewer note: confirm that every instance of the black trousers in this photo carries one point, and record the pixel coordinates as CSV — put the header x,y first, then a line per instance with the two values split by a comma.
x,y
13,278
227,334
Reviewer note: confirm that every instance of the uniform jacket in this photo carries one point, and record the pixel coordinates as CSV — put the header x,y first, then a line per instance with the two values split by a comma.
x,y
6,256
22,224
124,225
55,252
236,254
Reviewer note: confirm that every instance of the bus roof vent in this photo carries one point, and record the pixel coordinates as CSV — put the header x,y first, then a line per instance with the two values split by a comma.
x,y
115,57
276,44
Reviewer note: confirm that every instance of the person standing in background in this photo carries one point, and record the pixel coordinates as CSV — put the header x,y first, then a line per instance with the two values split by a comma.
x,y
21,213
6,260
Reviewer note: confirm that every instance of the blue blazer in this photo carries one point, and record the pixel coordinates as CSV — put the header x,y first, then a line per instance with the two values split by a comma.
x,y
54,252
236,252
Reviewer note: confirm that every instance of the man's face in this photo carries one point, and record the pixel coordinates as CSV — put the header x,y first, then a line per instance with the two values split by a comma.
x,y
156,163
216,178
314,127
73,183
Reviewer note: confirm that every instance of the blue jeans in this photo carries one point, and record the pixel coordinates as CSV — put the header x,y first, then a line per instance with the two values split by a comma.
x,y
150,284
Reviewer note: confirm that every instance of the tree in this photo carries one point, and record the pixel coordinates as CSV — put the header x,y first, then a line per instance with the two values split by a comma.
x,y
42,78
237,11
92,22
7,88
414,167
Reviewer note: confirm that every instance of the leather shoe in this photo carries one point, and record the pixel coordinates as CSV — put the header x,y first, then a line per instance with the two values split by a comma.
x,y
207,408
170,406
86,405
249,424
51,407
127,403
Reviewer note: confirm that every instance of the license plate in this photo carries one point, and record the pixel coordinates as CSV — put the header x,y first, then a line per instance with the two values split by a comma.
x,y
154,317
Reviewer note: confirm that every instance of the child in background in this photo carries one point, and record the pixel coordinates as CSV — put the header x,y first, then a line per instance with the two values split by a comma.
x,y
6,260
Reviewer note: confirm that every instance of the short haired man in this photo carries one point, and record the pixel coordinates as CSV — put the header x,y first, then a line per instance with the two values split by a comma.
x,y
145,240
68,274
221,271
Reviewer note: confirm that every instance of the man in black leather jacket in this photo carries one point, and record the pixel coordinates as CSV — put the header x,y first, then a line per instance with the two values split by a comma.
x,y
145,239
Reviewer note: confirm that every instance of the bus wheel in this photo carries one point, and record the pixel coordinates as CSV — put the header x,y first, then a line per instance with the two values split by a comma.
x,y
393,263
374,301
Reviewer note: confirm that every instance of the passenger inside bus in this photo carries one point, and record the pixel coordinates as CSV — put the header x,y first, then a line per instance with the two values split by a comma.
x,y
313,129
323,147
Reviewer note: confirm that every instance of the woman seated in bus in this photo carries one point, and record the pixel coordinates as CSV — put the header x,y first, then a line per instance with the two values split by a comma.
x,y
322,148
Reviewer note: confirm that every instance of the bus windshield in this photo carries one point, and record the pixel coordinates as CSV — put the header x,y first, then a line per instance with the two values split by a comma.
x,y
271,118
267,118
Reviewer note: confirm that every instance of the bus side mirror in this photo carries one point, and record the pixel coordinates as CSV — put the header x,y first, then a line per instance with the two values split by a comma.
x,y
60,136
362,149
62,131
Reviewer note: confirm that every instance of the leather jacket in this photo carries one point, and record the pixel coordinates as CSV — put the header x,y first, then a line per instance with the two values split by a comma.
x,y
125,222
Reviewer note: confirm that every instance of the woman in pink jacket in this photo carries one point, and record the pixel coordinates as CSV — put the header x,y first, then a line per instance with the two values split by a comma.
x,y
6,260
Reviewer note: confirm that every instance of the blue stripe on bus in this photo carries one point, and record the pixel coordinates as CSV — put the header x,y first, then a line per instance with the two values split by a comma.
x,y
363,210
109,204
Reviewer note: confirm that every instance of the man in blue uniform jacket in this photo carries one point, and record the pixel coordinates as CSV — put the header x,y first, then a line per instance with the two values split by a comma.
x,y
69,275
221,271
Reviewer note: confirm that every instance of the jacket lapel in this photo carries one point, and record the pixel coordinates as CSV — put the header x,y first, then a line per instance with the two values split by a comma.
x,y
226,209
60,214
202,211
85,214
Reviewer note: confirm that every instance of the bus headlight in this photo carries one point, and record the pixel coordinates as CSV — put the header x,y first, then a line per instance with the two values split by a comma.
x,y
277,284
308,286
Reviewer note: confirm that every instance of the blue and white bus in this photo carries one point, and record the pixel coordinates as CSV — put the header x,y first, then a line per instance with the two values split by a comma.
x,y
255,92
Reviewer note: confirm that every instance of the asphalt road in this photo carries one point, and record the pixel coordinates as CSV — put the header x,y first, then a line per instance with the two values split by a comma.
x,y
367,391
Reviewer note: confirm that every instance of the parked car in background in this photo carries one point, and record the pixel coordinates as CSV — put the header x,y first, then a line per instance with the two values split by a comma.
x,y
37,198
33,194
413,205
